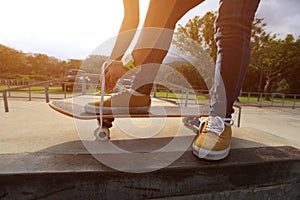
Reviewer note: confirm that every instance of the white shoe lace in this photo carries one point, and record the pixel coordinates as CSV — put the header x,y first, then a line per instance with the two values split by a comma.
x,y
129,91
102,93
216,124
102,88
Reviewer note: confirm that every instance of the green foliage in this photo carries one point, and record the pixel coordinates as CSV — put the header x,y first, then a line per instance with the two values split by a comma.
x,y
201,32
18,65
273,59
278,60
191,74
93,63
181,73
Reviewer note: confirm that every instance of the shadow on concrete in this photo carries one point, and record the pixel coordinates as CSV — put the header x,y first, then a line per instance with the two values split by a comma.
x,y
69,171
74,156
142,145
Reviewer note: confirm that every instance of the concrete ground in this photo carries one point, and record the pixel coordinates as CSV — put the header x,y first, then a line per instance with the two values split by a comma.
x,y
46,155
31,126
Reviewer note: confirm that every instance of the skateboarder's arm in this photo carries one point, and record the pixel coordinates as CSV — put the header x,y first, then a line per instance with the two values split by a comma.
x,y
126,33
127,30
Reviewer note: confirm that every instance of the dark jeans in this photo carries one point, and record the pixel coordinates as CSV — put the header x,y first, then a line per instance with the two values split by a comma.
x,y
232,34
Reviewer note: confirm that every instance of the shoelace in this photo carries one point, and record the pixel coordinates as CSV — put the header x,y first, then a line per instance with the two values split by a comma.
x,y
216,124
130,91
102,93
104,65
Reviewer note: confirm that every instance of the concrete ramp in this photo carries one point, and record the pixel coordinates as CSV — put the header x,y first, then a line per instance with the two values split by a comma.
x,y
42,156
248,173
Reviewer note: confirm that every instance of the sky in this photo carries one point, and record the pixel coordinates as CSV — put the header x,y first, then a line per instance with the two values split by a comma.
x,y
72,29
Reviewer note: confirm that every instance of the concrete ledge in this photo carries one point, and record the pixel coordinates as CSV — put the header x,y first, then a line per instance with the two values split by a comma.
x,y
265,172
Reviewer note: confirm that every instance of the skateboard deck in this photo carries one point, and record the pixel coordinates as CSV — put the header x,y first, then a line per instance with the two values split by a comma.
x,y
74,107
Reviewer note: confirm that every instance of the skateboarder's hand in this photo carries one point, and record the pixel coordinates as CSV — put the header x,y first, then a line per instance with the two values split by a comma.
x,y
113,72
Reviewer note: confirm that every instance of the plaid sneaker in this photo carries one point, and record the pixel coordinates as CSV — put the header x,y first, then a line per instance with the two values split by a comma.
x,y
124,102
213,141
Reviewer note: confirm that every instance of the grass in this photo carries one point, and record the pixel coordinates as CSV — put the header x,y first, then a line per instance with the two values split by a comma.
x,y
241,98
41,90
275,100
3,87
35,90
179,95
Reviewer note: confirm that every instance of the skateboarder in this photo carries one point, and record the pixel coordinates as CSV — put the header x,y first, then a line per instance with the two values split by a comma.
x,y
232,35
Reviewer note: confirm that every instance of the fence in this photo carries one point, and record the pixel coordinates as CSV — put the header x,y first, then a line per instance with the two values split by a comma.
x,y
274,99
15,82
7,92
28,91
187,96
183,96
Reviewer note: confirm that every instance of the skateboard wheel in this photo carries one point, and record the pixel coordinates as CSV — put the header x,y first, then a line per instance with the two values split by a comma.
x,y
102,134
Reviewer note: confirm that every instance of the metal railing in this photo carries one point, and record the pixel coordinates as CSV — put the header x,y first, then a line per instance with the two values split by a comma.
x,y
190,96
284,100
6,93
29,86
15,82
247,98
274,99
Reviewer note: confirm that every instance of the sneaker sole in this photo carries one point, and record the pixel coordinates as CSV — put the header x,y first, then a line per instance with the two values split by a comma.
x,y
117,110
210,154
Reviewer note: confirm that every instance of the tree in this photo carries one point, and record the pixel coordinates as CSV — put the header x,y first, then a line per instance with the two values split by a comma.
x,y
192,75
11,60
16,64
277,59
201,32
259,39
293,78
72,64
93,63
42,66
272,60
196,42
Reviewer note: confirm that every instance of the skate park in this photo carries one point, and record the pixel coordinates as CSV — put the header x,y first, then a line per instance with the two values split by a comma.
x,y
45,155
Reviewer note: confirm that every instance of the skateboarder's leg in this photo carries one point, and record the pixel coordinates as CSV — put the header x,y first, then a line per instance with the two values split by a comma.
x,y
233,32
155,39
149,52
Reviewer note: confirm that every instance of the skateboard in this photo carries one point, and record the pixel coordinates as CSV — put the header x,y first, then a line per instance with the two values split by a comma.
x,y
74,107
